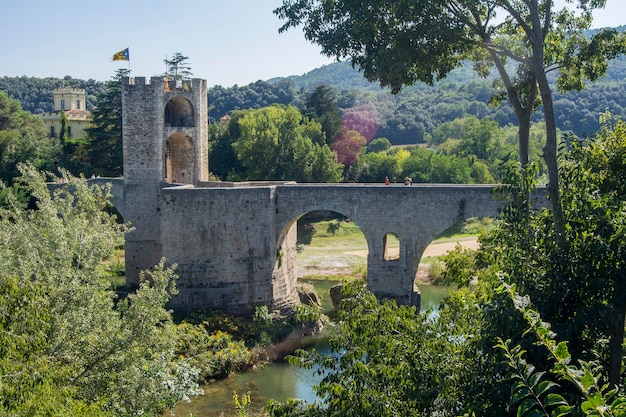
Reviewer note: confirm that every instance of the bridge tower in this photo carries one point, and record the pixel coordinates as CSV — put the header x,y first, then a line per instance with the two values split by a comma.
x,y
165,141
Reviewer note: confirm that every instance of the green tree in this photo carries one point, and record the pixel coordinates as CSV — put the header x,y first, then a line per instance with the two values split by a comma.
x,y
375,166
482,140
389,360
401,42
104,135
277,143
64,131
578,289
223,161
321,105
178,67
72,156
22,139
68,345
379,145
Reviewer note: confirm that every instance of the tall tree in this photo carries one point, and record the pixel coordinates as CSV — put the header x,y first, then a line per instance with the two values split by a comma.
x,y
67,343
321,105
178,67
104,135
72,156
401,42
278,143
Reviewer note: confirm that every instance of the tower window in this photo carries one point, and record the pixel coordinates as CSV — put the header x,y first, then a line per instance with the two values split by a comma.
x,y
62,104
78,104
69,131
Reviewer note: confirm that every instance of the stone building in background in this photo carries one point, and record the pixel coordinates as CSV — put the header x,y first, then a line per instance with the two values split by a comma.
x,y
72,102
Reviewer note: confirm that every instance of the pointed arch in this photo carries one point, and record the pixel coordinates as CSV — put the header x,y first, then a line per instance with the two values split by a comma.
x,y
179,113
179,159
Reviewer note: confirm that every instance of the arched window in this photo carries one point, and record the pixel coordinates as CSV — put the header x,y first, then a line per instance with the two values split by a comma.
x,y
179,113
179,159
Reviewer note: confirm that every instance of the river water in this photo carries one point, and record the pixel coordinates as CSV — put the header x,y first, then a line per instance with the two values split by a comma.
x,y
277,381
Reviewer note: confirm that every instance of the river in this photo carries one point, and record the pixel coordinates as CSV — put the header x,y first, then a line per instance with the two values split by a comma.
x,y
277,381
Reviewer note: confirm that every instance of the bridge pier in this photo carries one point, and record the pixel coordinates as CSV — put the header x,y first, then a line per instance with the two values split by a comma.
x,y
393,278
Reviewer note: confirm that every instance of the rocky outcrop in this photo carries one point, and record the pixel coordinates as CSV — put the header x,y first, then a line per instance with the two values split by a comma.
x,y
335,295
295,340
308,295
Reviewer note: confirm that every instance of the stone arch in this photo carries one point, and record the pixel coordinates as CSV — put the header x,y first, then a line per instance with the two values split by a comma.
x,y
179,159
179,113
285,269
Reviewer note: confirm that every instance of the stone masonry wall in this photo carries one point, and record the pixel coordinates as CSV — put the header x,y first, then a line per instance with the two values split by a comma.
x,y
224,243
144,141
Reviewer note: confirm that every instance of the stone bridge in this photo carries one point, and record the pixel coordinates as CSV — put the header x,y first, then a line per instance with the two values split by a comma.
x,y
416,215
235,243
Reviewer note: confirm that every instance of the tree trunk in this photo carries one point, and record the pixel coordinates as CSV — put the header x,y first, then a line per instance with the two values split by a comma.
x,y
522,112
524,138
550,148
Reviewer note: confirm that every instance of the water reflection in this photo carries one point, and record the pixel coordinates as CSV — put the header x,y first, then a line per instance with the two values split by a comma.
x,y
277,381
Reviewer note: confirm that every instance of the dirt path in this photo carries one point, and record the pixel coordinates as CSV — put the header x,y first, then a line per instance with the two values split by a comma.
x,y
344,262
435,249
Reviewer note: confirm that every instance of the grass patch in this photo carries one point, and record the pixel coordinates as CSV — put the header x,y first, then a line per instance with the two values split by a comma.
x,y
469,228
340,278
115,267
335,249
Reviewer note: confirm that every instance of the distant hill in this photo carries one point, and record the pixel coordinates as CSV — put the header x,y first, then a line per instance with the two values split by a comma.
x,y
404,118
35,94
343,76
407,117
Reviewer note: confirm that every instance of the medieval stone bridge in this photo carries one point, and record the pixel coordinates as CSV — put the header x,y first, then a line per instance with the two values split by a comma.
x,y
416,215
235,243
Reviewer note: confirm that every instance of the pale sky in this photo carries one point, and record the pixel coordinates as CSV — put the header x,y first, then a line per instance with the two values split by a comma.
x,y
227,41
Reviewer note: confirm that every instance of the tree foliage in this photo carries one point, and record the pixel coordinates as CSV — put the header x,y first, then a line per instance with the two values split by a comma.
x,y
348,146
68,345
321,105
178,67
35,94
277,143
104,135
224,101
22,139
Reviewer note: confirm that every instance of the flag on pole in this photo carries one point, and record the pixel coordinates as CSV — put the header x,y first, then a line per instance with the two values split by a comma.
x,y
121,56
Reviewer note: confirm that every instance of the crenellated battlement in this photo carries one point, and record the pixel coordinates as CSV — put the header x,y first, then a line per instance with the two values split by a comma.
x,y
173,85
69,90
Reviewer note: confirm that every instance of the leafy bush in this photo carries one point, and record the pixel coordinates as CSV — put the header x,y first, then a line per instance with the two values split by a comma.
x,y
215,354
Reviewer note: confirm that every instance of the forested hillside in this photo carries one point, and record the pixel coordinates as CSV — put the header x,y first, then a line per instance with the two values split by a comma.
x,y
35,94
405,118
